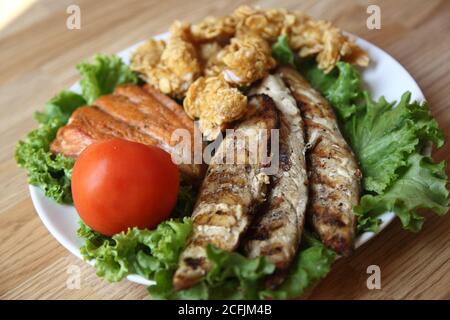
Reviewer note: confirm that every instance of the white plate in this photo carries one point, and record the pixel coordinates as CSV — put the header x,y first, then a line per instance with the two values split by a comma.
x,y
385,76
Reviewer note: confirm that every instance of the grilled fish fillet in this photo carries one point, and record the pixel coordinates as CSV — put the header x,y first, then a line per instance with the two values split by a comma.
x,y
229,194
135,113
276,232
334,176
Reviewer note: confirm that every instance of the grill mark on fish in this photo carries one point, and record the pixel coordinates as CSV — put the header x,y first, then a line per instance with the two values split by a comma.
x,y
333,170
221,218
276,232
194,263
285,161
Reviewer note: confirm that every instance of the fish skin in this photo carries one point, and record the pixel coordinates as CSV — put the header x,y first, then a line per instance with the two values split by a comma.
x,y
334,176
135,113
276,232
228,197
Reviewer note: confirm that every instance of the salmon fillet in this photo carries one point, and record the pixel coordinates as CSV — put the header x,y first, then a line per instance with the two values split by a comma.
x,y
334,176
228,196
140,114
277,231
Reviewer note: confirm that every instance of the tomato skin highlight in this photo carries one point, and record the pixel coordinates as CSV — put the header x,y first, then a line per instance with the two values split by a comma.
x,y
119,184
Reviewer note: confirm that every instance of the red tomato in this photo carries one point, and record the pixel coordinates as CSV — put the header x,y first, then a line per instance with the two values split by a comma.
x,y
118,184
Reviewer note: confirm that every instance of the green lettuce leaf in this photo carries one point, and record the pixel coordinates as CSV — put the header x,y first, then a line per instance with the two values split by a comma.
x,y
283,53
316,77
49,172
383,135
342,86
367,221
102,75
60,107
144,252
421,186
86,233
313,263
345,92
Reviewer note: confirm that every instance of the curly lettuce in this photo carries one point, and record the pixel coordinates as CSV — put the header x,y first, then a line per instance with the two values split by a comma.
x,y
60,107
52,173
101,76
421,186
283,53
384,134
388,140
137,251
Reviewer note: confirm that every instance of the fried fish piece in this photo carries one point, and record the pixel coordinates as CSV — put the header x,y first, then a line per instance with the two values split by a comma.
x,y
277,230
246,59
215,103
334,176
229,194
171,67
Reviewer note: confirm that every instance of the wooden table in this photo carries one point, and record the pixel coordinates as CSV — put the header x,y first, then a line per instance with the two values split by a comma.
x,y
38,54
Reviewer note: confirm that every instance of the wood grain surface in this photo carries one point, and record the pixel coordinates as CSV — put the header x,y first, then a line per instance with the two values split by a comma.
x,y
37,58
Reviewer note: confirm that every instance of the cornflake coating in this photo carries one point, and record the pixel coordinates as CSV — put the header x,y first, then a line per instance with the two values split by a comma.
x,y
306,36
270,24
320,37
147,55
246,59
180,55
214,29
172,67
215,103
238,47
